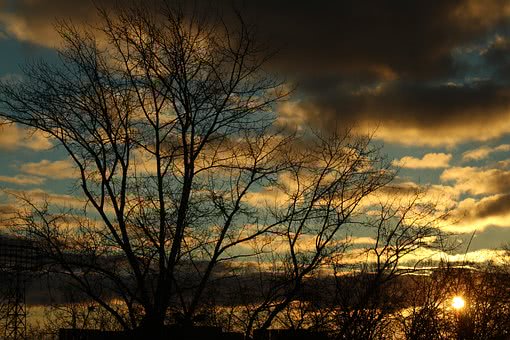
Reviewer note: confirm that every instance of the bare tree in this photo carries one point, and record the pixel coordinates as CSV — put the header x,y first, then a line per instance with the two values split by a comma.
x,y
321,196
425,313
486,314
368,293
166,116
167,113
352,291
429,313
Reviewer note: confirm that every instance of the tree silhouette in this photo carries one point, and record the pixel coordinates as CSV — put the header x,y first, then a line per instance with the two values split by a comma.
x,y
169,116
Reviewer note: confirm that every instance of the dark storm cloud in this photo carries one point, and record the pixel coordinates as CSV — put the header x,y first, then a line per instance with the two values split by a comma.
x,y
490,211
497,57
385,61
478,181
480,214
390,62
415,104
354,39
362,37
496,206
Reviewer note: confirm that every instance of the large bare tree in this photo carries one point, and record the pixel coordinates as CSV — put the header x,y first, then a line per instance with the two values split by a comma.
x,y
168,115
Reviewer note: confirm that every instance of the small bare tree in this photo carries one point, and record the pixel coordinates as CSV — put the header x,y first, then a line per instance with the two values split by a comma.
x,y
369,293
320,198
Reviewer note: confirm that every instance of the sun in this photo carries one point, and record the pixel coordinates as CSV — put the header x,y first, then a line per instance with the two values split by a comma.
x,y
458,302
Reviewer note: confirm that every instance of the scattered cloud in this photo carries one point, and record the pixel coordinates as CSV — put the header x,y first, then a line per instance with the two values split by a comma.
x,y
477,256
267,197
22,180
477,154
479,214
478,181
362,240
13,137
442,197
33,21
7,213
39,196
62,169
432,255
483,152
428,161
412,113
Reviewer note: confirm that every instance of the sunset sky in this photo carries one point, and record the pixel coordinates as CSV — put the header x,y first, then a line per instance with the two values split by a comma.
x,y
431,78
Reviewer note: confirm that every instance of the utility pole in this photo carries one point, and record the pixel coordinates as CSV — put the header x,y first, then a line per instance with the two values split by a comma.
x,y
18,259
16,315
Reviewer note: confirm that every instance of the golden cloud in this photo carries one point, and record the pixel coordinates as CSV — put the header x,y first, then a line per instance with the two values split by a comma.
x,y
478,181
483,152
21,28
62,169
22,180
13,137
39,196
479,214
428,161
448,135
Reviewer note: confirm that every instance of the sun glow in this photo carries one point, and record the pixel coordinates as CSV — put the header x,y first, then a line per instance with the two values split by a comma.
x,y
458,302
